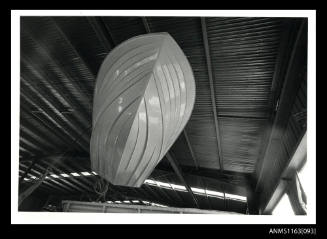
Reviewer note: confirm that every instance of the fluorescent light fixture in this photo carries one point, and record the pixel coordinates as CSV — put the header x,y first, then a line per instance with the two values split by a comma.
x,y
54,175
146,202
86,173
94,173
235,197
109,202
33,177
64,175
135,201
75,174
117,201
26,179
126,201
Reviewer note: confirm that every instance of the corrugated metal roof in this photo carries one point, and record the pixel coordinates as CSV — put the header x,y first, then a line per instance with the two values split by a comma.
x,y
60,57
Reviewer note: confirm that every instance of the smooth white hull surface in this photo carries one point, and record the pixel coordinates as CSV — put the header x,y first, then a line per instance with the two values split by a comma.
x,y
144,96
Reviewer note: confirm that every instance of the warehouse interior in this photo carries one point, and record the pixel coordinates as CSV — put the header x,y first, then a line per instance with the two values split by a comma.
x,y
241,151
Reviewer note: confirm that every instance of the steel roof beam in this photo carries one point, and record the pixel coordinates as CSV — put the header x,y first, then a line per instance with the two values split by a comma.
x,y
102,31
30,94
298,159
212,90
231,179
178,172
73,47
86,99
50,182
59,89
287,97
62,180
146,25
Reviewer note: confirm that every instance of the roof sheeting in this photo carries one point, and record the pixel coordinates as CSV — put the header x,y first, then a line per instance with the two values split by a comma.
x,y
60,57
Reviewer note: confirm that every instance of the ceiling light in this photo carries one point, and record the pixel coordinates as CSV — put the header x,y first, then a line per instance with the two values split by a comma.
x,y
64,175
54,175
75,174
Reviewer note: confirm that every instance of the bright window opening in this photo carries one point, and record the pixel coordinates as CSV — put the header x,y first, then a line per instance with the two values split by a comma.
x,y
304,178
284,207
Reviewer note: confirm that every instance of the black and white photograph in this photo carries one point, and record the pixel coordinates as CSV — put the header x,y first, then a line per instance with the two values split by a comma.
x,y
122,116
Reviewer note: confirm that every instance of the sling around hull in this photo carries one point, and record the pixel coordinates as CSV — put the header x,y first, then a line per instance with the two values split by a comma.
x,y
144,96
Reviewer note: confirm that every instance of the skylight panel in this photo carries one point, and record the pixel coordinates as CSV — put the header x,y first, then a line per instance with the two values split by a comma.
x,y
149,181
214,193
178,187
235,197
86,173
163,185
198,190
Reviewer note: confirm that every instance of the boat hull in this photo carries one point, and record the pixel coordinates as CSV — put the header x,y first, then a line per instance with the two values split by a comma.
x,y
144,96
